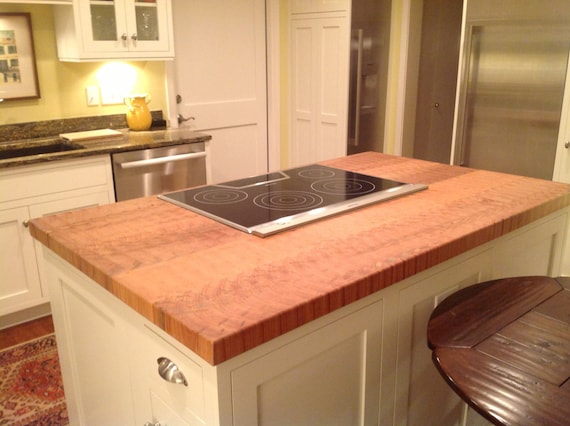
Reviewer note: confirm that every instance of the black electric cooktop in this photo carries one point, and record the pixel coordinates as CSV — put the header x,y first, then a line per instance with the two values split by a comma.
x,y
269,203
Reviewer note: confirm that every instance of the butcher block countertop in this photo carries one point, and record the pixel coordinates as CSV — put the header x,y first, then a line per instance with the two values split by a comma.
x,y
221,292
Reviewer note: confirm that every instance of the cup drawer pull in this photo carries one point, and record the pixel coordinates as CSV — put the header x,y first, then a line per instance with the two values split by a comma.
x,y
170,372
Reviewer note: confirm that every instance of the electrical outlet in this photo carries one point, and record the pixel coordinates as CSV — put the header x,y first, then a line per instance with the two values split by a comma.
x,y
92,95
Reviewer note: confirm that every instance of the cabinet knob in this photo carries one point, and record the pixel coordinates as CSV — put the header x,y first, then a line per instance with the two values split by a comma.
x,y
134,37
124,37
170,371
26,223
567,145
152,424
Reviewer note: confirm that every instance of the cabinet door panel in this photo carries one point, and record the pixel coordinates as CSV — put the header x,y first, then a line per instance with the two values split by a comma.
x,y
90,336
149,22
20,280
102,25
330,376
422,396
534,252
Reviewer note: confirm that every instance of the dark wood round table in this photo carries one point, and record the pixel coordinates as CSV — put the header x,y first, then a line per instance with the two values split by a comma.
x,y
504,348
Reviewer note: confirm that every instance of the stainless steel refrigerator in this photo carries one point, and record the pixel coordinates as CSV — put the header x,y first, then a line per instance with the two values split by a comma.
x,y
369,52
511,94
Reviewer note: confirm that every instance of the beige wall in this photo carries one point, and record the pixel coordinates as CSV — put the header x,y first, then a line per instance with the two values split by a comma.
x,y
62,84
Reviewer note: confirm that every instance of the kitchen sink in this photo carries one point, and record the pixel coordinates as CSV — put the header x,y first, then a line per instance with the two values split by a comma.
x,y
54,147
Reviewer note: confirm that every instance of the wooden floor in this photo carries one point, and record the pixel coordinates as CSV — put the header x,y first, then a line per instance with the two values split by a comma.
x,y
24,332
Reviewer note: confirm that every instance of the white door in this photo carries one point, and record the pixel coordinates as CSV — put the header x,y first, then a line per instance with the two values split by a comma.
x,y
562,162
20,287
320,53
219,73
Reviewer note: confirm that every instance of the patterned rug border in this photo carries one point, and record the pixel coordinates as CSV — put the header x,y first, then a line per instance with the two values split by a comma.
x,y
31,388
45,336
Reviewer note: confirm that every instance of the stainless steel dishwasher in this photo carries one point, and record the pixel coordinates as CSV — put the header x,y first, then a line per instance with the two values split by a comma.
x,y
158,170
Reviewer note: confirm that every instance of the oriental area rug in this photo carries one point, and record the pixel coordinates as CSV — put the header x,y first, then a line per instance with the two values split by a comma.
x,y
31,389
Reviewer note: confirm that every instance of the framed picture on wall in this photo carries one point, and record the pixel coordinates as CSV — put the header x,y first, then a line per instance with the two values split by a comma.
x,y
18,73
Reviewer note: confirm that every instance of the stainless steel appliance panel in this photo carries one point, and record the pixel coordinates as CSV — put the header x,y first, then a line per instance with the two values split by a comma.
x,y
513,90
155,171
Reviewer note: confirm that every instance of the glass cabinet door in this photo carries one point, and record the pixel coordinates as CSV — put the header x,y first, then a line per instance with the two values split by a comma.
x,y
125,28
146,15
103,20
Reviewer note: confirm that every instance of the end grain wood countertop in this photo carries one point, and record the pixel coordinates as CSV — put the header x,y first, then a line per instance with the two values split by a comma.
x,y
221,292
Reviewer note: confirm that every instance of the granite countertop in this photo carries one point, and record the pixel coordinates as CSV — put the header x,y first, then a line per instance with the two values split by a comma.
x,y
221,292
130,141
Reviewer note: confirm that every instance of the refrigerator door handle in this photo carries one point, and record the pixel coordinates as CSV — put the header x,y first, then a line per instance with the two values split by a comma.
x,y
358,90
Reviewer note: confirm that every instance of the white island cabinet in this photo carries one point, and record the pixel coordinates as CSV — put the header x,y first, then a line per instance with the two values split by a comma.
x,y
33,191
117,29
366,363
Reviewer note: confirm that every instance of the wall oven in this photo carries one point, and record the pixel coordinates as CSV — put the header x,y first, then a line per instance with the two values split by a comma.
x,y
155,171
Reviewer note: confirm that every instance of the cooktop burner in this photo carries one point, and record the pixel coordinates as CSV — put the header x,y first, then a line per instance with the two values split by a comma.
x,y
266,204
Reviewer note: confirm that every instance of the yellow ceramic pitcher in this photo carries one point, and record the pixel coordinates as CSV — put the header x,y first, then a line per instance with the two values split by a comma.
x,y
138,114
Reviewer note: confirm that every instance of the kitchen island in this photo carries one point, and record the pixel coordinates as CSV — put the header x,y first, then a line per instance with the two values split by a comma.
x,y
322,322
46,175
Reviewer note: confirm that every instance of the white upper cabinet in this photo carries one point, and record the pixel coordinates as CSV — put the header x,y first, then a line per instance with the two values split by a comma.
x,y
92,30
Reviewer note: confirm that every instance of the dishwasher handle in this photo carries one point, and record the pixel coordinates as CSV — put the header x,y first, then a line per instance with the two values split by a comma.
x,y
162,160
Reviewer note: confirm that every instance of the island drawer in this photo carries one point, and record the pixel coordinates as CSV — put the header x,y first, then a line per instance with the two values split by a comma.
x,y
42,179
156,398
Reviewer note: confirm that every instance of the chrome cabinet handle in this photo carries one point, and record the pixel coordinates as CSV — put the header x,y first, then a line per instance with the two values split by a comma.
x,y
170,371
162,160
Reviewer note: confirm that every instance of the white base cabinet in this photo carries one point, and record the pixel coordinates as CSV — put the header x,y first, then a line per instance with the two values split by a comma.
x,y
328,376
364,364
420,395
34,191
